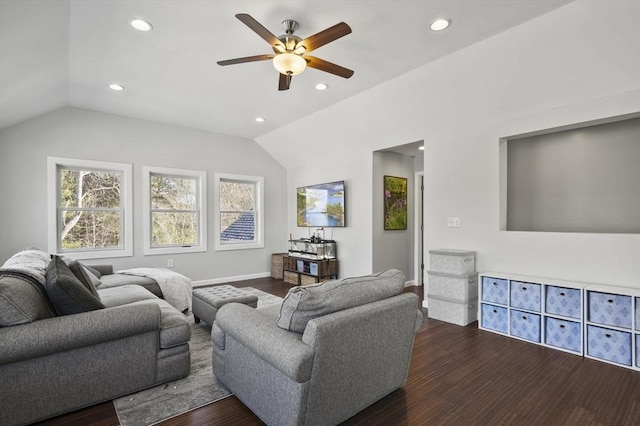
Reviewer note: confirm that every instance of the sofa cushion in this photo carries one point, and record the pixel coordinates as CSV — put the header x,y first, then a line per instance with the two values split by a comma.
x,y
93,271
118,280
87,279
305,303
123,295
21,301
66,292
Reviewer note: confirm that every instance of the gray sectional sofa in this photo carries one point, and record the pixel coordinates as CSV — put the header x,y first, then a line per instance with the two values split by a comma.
x,y
329,351
63,348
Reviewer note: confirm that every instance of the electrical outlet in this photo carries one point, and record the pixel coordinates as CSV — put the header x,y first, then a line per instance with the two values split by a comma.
x,y
170,263
453,222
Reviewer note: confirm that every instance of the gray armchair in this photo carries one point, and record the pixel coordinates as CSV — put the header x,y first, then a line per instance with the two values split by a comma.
x,y
330,351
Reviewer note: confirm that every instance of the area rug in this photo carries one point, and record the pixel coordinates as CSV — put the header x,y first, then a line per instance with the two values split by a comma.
x,y
199,388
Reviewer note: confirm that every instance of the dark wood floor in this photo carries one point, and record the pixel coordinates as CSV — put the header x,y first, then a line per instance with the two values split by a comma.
x,y
460,376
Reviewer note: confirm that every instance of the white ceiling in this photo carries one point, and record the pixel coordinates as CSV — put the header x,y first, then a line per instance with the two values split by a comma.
x,y
56,53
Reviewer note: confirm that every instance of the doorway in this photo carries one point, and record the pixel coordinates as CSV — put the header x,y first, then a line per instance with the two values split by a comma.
x,y
399,249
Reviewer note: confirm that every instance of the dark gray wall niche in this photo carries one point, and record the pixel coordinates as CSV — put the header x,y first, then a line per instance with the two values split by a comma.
x,y
585,179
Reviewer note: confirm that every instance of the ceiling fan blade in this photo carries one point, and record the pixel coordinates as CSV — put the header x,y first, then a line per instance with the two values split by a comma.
x,y
326,66
259,29
325,36
246,59
284,82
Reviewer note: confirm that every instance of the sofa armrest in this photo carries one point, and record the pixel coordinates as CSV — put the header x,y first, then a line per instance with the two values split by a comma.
x,y
281,349
53,335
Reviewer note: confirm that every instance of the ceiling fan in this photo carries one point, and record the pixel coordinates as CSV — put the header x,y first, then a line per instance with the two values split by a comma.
x,y
290,51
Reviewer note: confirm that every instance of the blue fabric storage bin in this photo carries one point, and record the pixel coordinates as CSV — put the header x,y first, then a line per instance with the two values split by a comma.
x,y
525,296
638,314
610,345
563,334
313,268
563,301
495,290
525,325
637,350
494,318
609,309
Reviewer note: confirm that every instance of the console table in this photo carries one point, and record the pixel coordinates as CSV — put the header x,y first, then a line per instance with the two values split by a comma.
x,y
310,262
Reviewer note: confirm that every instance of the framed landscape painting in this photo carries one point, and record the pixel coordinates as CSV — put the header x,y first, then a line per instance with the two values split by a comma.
x,y
395,203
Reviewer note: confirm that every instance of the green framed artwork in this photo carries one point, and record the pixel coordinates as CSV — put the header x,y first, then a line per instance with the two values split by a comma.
x,y
395,203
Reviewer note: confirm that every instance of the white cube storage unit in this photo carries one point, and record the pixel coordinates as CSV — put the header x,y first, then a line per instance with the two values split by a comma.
x,y
599,322
546,312
612,329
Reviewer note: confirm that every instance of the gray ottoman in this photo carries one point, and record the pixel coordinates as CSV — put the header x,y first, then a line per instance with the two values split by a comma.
x,y
207,301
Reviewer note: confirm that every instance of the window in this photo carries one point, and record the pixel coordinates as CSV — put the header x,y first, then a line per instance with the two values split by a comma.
x,y
89,208
175,213
239,212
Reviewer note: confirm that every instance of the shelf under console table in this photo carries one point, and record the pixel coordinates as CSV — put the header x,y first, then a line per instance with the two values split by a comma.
x,y
301,270
596,321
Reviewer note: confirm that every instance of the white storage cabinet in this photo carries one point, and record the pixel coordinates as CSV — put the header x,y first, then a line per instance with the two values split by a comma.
x,y
596,321
542,311
612,326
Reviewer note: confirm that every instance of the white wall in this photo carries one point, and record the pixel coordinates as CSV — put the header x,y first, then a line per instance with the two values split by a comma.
x,y
577,63
78,133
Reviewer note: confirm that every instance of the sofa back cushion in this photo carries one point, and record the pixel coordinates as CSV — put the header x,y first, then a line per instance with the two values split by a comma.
x,y
305,303
22,300
85,276
67,294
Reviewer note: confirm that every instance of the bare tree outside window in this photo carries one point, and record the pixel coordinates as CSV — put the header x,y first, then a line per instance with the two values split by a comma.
x,y
174,210
90,209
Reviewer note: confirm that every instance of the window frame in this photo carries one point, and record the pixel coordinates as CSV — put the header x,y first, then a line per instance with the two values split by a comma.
x,y
201,181
258,241
54,164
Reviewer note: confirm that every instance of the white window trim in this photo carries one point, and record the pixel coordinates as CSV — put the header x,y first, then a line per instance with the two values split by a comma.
x,y
52,207
259,241
146,210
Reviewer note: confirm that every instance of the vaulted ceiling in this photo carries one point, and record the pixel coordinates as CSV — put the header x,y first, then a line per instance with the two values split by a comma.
x,y
56,53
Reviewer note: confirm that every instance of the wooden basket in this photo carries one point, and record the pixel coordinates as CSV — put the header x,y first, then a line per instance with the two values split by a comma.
x,y
276,265
291,277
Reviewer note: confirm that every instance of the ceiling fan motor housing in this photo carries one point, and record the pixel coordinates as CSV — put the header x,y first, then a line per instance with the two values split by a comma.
x,y
288,39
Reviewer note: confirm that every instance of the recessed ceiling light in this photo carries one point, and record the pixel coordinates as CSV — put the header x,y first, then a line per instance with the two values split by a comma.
x,y
322,86
440,24
421,148
260,119
117,87
141,25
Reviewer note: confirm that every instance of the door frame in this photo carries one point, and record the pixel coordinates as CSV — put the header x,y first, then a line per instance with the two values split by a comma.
x,y
418,225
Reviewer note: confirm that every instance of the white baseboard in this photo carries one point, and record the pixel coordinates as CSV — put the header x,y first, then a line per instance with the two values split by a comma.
x,y
424,303
213,281
411,283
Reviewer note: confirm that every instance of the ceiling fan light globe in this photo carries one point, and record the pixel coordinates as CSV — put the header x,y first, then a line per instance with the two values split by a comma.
x,y
289,63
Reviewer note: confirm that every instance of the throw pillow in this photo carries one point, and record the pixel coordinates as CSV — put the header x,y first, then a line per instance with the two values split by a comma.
x,y
66,292
304,303
87,279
